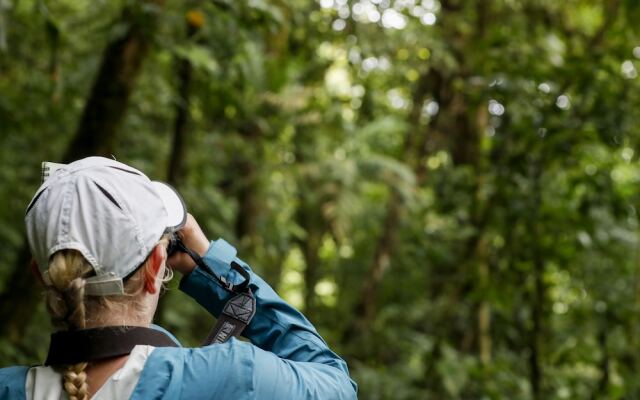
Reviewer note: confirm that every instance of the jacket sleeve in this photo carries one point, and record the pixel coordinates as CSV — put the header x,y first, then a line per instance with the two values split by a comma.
x,y
12,383
289,358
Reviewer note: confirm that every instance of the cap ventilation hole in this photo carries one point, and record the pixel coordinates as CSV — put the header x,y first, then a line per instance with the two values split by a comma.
x,y
125,170
108,196
33,202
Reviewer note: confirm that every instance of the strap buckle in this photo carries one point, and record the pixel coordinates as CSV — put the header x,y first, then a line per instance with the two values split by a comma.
x,y
235,317
176,244
238,311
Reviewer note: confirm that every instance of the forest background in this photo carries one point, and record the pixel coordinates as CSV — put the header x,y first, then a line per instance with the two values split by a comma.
x,y
448,189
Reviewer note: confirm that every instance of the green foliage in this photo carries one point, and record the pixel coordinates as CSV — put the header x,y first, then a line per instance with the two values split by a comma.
x,y
502,135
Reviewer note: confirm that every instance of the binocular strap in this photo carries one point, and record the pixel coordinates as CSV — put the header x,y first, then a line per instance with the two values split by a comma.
x,y
235,316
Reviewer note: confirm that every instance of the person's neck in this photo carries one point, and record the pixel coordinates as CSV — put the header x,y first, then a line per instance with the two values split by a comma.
x,y
126,315
99,371
115,319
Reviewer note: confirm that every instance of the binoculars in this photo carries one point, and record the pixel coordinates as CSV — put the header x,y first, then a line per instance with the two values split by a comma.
x,y
175,244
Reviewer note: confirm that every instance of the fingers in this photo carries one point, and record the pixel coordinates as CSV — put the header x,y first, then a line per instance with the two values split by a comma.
x,y
192,237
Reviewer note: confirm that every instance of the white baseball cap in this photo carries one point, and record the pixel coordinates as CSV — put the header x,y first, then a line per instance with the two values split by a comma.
x,y
108,211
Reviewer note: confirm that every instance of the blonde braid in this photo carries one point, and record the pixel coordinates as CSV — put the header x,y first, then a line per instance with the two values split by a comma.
x,y
75,382
68,306
65,301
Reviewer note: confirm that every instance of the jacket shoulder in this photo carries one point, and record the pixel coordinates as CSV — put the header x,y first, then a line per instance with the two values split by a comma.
x,y
12,382
217,371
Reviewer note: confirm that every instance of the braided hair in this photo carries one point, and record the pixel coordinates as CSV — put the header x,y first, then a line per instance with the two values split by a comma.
x,y
65,302
70,309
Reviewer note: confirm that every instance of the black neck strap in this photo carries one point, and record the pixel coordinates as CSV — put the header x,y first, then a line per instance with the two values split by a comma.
x,y
71,347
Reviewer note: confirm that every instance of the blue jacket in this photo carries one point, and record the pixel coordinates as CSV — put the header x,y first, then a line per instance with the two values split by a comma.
x,y
286,359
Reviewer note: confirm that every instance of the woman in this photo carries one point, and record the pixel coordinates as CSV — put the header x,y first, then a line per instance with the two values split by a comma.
x,y
99,231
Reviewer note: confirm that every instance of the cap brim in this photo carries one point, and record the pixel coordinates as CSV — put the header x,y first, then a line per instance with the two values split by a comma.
x,y
173,203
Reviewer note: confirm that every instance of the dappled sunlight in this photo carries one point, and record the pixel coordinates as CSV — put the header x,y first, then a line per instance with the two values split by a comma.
x,y
448,189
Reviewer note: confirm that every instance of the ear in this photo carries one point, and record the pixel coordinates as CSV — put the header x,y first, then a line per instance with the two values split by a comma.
x,y
152,269
36,271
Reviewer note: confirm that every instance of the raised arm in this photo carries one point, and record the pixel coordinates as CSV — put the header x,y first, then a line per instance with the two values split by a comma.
x,y
277,328
287,358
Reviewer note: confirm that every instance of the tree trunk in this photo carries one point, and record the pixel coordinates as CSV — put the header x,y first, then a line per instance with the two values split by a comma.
x,y
415,150
539,291
247,189
633,358
53,36
176,169
366,306
480,215
96,135
248,203
484,309
312,222
536,334
309,216
105,109
175,173
20,298
605,362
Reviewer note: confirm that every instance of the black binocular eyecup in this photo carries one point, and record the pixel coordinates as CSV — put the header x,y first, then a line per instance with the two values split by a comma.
x,y
175,244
